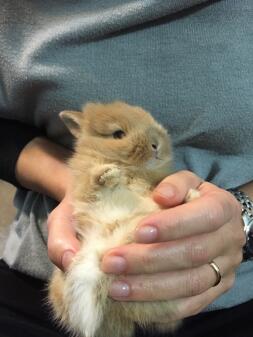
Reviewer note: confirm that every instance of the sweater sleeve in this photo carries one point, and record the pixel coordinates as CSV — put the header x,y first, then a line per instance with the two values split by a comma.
x,y
14,136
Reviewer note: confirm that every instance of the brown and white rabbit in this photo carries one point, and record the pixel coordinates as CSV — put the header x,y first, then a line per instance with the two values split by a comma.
x,y
121,154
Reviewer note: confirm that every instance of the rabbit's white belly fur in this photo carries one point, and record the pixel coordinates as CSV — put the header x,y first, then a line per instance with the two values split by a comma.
x,y
121,205
117,204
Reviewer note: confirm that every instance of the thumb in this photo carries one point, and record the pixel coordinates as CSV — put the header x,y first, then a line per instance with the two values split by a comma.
x,y
173,190
62,241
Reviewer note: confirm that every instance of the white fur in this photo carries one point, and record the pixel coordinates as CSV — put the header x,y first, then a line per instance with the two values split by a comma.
x,y
117,204
85,314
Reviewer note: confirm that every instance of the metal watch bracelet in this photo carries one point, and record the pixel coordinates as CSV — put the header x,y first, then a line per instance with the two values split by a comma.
x,y
247,217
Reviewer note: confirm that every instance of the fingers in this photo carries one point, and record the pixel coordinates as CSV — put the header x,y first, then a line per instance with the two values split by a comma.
x,y
160,257
190,306
171,285
190,235
172,263
202,215
62,241
174,188
193,305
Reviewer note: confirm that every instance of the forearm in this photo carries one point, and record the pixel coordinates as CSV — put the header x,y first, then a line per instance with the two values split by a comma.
x,y
41,167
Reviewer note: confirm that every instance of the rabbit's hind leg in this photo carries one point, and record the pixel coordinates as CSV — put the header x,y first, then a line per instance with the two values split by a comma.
x,y
116,328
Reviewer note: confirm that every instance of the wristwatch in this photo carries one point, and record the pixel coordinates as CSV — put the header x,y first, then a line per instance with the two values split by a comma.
x,y
247,217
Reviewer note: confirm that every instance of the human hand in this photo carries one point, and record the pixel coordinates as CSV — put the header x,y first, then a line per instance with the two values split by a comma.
x,y
62,241
173,249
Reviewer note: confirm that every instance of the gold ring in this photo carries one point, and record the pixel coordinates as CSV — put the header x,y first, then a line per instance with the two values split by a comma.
x,y
217,272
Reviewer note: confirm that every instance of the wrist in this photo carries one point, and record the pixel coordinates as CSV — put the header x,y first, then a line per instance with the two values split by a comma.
x,y
41,167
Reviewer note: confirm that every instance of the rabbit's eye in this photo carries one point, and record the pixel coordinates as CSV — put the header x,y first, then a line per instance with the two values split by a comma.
x,y
118,134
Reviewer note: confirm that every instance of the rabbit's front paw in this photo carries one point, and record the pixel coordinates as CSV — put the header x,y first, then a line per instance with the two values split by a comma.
x,y
192,194
110,176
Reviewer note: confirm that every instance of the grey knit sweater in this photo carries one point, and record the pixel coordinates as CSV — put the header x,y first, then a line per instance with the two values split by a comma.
x,y
189,62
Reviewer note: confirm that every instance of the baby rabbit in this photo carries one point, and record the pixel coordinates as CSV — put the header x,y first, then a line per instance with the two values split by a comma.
x,y
121,154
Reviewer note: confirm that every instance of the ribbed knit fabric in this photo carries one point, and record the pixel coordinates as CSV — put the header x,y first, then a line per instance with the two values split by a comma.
x,y
188,62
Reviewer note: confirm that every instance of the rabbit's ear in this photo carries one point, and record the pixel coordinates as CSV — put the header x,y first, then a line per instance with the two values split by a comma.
x,y
72,120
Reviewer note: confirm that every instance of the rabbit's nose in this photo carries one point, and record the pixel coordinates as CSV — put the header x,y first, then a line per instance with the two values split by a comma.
x,y
155,150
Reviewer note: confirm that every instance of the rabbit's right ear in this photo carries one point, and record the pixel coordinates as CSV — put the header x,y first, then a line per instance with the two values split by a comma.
x,y
72,120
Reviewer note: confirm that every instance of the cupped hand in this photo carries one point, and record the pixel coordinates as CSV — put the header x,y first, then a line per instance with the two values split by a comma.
x,y
62,241
173,249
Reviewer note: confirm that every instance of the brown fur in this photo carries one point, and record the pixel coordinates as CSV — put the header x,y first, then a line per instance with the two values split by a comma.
x,y
110,170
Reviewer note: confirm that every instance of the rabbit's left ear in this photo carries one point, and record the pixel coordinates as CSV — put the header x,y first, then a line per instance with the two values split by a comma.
x,y
72,120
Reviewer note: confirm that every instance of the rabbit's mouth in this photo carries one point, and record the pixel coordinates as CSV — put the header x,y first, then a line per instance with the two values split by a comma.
x,y
157,158
155,163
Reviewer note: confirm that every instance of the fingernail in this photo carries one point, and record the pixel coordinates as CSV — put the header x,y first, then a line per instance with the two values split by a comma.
x,y
67,259
166,190
119,289
146,234
114,264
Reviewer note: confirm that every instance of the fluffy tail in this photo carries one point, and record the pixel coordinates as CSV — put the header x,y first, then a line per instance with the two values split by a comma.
x,y
85,296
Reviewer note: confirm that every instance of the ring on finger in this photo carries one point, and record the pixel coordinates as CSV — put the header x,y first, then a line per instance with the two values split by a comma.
x,y
216,269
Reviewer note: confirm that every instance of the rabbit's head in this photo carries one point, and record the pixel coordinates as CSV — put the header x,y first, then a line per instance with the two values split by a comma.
x,y
120,133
